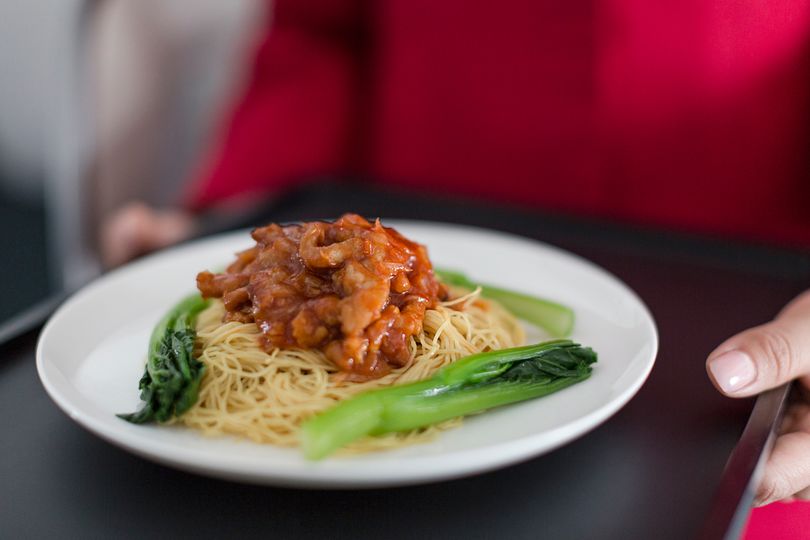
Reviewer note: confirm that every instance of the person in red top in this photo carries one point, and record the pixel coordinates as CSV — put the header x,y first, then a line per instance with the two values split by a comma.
x,y
690,115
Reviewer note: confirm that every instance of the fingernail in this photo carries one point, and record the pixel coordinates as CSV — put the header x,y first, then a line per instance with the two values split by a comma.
x,y
733,370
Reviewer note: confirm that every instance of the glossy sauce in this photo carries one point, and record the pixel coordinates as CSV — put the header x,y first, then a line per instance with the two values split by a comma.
x,y
355,290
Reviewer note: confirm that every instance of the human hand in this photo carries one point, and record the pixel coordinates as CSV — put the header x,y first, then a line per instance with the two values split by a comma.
x,y
764,357
137,229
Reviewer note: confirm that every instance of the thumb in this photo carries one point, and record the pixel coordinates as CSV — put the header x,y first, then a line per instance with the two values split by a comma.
x,y
765,356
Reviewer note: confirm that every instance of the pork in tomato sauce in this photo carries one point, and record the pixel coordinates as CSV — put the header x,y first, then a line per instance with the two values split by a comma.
x,y
353,289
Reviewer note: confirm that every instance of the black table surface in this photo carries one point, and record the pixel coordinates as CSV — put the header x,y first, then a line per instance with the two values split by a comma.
x,y
648,472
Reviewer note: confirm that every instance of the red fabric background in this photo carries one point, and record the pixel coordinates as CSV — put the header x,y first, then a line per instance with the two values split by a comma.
x,y
692,115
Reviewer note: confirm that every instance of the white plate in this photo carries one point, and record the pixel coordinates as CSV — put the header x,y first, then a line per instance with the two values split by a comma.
x,y
91,354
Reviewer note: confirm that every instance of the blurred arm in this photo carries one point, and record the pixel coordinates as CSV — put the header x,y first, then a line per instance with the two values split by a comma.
x,y
161,74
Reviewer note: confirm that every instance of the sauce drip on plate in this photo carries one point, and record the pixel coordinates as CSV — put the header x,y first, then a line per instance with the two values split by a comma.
x,y
355,290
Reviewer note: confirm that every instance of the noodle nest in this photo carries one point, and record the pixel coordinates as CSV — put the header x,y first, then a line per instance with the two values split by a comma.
x,y
267,396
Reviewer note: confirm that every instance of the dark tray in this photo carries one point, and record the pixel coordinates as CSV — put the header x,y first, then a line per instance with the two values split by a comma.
x,y
649,472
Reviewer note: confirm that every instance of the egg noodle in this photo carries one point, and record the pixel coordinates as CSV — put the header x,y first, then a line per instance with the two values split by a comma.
x,y
267,396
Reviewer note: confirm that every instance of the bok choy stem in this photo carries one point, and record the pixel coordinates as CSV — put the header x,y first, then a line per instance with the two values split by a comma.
x,y
556,319
473,384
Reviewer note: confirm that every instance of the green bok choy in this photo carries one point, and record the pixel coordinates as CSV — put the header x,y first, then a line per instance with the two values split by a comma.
x,y
473,384
556,319
171,381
